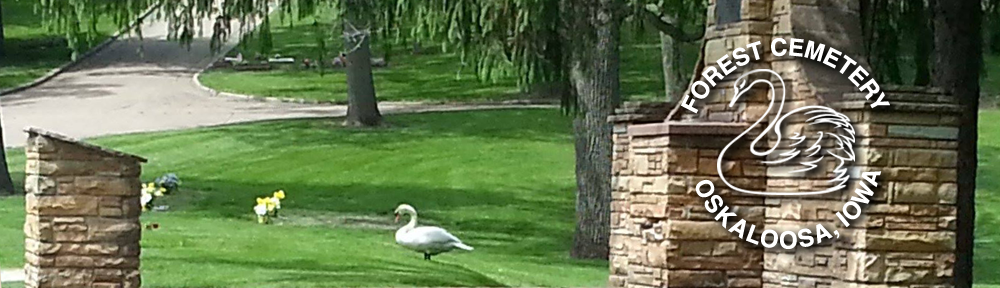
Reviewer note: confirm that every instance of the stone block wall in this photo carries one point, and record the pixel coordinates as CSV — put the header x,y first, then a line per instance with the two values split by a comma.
x,y
82,224
662,235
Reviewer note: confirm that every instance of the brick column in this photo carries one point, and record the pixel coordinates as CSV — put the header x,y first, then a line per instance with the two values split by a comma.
x,y
82,224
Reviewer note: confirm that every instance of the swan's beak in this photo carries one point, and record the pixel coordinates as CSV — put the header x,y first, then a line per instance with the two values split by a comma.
x,y
397,217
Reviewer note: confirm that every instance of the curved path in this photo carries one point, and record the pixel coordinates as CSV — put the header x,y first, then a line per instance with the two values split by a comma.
x,y
138,85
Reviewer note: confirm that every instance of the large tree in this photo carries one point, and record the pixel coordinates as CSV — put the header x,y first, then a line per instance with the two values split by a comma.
x,y
362,108
6,185
958,40
592,31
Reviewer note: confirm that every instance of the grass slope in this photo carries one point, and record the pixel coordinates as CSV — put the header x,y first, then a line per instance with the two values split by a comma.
x,y
31,49
500,180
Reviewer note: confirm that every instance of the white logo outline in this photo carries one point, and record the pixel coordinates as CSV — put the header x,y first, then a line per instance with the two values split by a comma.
x,y
816,115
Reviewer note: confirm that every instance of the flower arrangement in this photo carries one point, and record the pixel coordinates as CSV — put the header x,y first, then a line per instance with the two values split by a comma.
x,y
150,191
267,207
261,210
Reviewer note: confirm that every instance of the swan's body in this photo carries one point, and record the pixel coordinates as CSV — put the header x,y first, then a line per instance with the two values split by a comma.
x,y
795,147
429,240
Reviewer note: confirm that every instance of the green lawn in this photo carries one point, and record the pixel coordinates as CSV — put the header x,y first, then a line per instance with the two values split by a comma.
x,y
987,250
31,49
500,180
432,75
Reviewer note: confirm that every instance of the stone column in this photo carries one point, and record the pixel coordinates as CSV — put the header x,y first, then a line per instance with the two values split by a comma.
x,y
662,234
82,224
906,237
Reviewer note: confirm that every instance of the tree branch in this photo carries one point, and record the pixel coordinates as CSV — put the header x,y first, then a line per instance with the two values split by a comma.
x,y
668,28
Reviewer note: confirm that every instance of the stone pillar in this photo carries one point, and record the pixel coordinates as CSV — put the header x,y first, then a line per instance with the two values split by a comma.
x,y
663,235
622,173
906,237
82,224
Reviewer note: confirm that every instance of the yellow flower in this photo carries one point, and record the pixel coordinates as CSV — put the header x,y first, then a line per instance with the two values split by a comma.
x,y
280,194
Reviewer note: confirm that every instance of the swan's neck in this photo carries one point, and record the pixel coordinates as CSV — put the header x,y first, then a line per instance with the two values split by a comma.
x,y
771,107
410,225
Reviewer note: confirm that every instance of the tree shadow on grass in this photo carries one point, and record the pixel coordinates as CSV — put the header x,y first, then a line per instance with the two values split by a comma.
x,y
503,124
337,272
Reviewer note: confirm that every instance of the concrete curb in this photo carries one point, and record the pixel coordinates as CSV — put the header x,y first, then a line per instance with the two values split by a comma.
x,y
11,275
66,66
197,81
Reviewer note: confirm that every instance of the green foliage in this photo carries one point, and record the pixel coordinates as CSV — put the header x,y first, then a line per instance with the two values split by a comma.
x,y
500,180
31,50
78,20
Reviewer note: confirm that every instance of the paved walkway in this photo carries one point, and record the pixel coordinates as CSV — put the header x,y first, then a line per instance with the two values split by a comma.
x,y
143,85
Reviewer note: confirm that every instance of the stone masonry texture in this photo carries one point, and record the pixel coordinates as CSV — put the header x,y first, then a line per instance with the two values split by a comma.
x,y
82,224
662,235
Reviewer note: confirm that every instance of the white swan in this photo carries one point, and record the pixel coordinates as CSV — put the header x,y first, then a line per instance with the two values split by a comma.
x,y
808,153
429,240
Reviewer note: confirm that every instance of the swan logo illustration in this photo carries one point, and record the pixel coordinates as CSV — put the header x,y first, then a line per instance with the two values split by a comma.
x,y
828,142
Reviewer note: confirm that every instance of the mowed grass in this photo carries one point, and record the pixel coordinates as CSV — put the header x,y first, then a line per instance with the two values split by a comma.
x,y
433,75
987,249
500,180
31,50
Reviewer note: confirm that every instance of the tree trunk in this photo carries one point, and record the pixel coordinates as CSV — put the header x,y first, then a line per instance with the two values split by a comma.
x,y
2,37
958,39
362,107
593,72
917,14
993,26
6,185
670,56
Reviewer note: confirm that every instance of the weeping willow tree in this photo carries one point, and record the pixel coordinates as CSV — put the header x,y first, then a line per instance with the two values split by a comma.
x,y
570,44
